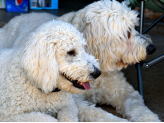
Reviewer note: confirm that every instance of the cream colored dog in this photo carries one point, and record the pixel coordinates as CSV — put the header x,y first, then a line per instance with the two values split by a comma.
x,y
109,27
52,57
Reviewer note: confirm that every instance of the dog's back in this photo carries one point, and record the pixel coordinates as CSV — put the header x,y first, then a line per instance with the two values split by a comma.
x,y
13,32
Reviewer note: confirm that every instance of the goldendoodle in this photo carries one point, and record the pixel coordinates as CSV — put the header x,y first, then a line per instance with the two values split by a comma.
x,y
52,58
109,27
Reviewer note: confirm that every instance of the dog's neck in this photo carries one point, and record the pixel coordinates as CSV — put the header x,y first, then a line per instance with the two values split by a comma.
x,y
73,18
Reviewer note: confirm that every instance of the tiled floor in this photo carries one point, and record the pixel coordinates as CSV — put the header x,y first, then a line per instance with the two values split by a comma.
x,y
153,77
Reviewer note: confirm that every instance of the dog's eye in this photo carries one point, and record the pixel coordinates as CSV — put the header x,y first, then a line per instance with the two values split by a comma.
x,y
71,52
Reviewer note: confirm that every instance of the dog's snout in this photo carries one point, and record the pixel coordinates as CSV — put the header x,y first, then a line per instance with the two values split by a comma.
x,y
150,49
96,73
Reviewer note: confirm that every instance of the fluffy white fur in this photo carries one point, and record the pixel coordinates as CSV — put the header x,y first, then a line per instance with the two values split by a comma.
x,y
29,73
109,27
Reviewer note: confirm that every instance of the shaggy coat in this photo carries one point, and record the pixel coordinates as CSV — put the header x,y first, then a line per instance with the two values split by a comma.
x,y
109,27
29,74
51,58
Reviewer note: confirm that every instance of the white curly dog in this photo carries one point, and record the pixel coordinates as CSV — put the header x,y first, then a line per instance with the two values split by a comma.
x,y
52,57
109,27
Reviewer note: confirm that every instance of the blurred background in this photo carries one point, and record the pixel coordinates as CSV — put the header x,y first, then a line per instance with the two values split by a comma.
x,y
153,77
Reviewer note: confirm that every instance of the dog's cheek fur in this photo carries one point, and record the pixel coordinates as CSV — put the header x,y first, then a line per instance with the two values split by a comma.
x,y
102,46
135,49
40,65
135,54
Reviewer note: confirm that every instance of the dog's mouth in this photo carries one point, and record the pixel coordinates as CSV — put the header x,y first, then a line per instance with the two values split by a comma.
x,y
78,84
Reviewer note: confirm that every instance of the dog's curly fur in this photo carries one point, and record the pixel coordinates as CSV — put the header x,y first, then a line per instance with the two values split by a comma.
x,y
29,74
31,71
109,27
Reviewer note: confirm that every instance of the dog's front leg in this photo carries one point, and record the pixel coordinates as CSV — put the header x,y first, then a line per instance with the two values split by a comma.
x,y
68,113
90,113
30,117
112,88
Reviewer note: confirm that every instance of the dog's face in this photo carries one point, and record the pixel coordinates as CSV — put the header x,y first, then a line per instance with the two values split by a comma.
x,y
55,57
75,65
111,35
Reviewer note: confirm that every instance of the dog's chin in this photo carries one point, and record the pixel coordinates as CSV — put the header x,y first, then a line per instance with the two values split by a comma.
x,y
77,85
75,90
67,86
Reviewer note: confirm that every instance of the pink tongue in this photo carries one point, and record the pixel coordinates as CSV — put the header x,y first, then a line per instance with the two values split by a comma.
x,y
86,85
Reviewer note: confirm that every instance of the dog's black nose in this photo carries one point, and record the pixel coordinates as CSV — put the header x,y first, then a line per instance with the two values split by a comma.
x,y
96,73
150,49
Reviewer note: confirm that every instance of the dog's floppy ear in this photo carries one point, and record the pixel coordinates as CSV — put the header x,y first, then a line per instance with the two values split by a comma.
x,y
97,36
39,62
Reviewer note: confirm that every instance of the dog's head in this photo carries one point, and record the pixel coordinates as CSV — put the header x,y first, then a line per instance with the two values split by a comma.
x,y
109,27
54,57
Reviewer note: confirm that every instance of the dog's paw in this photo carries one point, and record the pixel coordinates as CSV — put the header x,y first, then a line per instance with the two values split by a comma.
x,y
148,117
143,116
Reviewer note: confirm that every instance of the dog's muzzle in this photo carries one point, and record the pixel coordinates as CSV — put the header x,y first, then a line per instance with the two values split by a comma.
x,y
96,73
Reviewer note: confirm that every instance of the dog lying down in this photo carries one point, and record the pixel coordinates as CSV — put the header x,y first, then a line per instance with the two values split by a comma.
x,y
109,28
52,58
